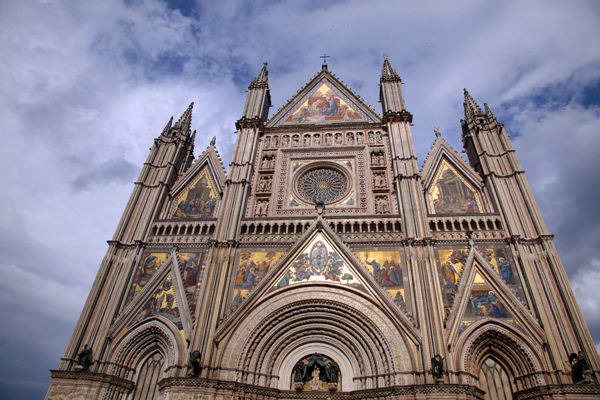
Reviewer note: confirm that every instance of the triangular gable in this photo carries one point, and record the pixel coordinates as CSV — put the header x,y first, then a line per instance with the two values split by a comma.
x,y
319,257
451,186
171,293
324,100
198,192
482,295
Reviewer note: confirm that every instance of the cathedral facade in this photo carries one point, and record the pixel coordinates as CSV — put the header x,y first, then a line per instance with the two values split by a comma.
x,y
326,264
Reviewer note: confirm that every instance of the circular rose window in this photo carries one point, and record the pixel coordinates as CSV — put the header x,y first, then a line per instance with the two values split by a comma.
x,y
322,184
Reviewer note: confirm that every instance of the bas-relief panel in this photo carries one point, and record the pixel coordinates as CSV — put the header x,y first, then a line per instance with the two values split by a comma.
x,y
451,194
252,268
451,261
197,201
192,265
319,263
324,105
162,303
387,268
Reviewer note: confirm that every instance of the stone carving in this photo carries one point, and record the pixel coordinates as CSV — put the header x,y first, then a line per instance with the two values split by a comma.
x,y
322,185
328,139
379,180
350,138
371,137
382,205
267,142
264,184
338,138
84,359
285,141
307,140
437,132
261,209
295,141
317,140
437,368
266,163
196,368
378,137
315,384
360,138
377,158
274,141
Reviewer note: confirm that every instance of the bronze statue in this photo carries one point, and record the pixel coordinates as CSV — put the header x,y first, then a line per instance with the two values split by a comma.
x,y
437,367
85,358
195,363
579,366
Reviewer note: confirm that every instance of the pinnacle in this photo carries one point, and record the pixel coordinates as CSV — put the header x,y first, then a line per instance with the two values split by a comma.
x,y
470,105
387,72
185,122
263,79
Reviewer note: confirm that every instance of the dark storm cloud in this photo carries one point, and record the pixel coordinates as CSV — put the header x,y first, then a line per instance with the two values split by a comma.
x,y
88,85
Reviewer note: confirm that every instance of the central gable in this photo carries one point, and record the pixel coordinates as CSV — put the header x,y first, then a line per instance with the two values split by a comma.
x,y
324,101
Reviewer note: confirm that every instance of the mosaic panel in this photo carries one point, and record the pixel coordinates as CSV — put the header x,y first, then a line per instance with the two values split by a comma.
x,y
452,194
199,200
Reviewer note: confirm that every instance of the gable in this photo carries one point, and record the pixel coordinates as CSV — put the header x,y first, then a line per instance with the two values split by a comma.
x,y
451,193
199,199
324,101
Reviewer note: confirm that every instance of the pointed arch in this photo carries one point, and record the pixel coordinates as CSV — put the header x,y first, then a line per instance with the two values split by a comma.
x,y
517,355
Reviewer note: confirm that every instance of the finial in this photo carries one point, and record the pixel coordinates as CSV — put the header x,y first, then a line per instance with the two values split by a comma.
x,y
214,139
437,132
385,57
324,57
265,64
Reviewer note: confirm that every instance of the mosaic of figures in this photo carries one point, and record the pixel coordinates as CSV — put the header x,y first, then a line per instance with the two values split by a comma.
x,y
484,303
162,303
197,201
191,263
315,140
451,262
319,263
324,105
387,268
252,268
450,193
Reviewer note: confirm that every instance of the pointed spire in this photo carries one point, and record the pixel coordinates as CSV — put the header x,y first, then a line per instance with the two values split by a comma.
x,y
471,108
387,73
263,79
185,122
168,127
488,112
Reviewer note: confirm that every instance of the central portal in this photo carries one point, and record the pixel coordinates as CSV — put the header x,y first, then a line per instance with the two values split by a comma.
x,y
316,372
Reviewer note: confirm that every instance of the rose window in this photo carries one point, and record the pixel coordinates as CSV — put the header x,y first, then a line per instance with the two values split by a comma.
x,y
325,185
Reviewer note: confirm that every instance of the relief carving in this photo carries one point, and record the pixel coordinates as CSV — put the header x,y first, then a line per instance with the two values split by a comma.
x,y
379,180
382,204
262,208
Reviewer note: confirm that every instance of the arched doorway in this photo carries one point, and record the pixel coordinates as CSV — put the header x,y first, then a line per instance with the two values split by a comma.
x,y
148,375
495,380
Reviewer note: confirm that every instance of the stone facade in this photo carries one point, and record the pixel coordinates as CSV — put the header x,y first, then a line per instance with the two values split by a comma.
x,y
327,265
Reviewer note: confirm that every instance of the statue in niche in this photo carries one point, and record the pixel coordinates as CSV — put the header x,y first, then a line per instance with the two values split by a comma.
x,y
268,183
265,163
307,140
379,180
350,138
437,368
316,382
195,364
316,140
295,141
272,163
378,138
579,367
332,371
382,205
262,184
285,141
267,142
274,141
381,159
328,139
84,359
261,209
338,138
360,139
299,372
371,138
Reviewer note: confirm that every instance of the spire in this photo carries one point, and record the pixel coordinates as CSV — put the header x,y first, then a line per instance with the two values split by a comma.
x,y
387,73
471,108
185,122
488,112
168,127
263,79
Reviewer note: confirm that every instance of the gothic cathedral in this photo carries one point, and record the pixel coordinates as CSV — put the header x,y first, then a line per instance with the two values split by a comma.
x,y
326,265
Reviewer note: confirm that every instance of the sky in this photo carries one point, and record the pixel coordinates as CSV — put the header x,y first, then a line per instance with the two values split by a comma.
x,y
87,85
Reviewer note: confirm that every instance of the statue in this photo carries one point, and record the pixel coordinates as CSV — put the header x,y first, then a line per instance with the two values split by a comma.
x,y
579,367
84,359
299,373
265,163
437,368
333,372
195,363
295,141
213,141
437,132
285,141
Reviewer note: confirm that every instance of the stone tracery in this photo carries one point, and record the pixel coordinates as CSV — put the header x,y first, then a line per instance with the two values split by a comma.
x,y
325,185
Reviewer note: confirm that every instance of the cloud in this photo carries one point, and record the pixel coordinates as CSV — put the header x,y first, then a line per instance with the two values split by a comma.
x,y
88,85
